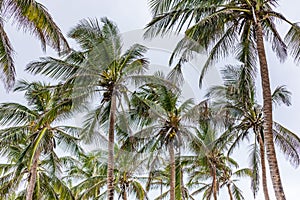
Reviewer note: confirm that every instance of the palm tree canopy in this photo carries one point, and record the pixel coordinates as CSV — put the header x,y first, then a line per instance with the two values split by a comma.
x,y
223,27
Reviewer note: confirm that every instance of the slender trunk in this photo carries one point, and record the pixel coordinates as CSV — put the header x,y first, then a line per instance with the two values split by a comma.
x,y
161,189
214,184
172,165
179,181
33,176
268,119
124,195
263,166
110,163
229,192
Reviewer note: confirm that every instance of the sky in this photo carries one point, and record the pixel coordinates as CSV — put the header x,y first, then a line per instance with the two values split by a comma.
x,y
131,16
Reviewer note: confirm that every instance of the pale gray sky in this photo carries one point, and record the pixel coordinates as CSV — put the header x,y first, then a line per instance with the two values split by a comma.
x,y
134,14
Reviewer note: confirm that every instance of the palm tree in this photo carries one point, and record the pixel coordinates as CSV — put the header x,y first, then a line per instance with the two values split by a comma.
x,y
232,27
237,97
160,179
35,124
48,183
91,171
32,17
169,124
209,166
99,68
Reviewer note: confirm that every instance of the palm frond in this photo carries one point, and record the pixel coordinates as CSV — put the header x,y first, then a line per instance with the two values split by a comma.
x,y
7,69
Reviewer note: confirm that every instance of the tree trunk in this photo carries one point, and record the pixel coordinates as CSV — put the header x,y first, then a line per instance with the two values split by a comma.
x,y
263,166
111,142
178,177
172,165
33,175
214,183
161,189
268,119
124,195
229,192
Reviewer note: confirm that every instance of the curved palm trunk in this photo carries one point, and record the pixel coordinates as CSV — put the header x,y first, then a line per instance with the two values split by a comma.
x,y
229,192
33,176
263,167
267,105
111,139
172,165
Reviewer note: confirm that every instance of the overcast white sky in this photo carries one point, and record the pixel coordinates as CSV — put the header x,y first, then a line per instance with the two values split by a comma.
x,y
134,14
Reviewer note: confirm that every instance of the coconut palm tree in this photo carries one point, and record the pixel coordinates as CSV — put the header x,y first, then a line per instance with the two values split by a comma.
x,y
48,183
232,27
99,68
160,179
169,124
35,124
32,17
90,175
237,97
210,168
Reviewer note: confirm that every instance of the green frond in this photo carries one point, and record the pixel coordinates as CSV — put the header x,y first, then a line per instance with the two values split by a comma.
x,y
281,95
7,69
288,142
33,17
16,114
292,39
278,45
138,190
255,166
57,68
220,50
237,193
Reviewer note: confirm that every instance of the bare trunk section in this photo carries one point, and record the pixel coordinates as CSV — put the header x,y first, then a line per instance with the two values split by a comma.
x,y
229,192
124,195
263,167
268,118
179,192
33,175
161,189
111,139
172,165
214,184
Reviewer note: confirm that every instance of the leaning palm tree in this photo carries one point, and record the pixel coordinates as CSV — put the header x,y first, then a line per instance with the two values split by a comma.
x,y
32,17
238,99
231,27
169,124
99,68
35,124
48,183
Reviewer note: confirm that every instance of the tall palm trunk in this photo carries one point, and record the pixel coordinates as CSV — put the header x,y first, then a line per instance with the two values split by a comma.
x,y
263,166
172,165
33,176
111,139
268,119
